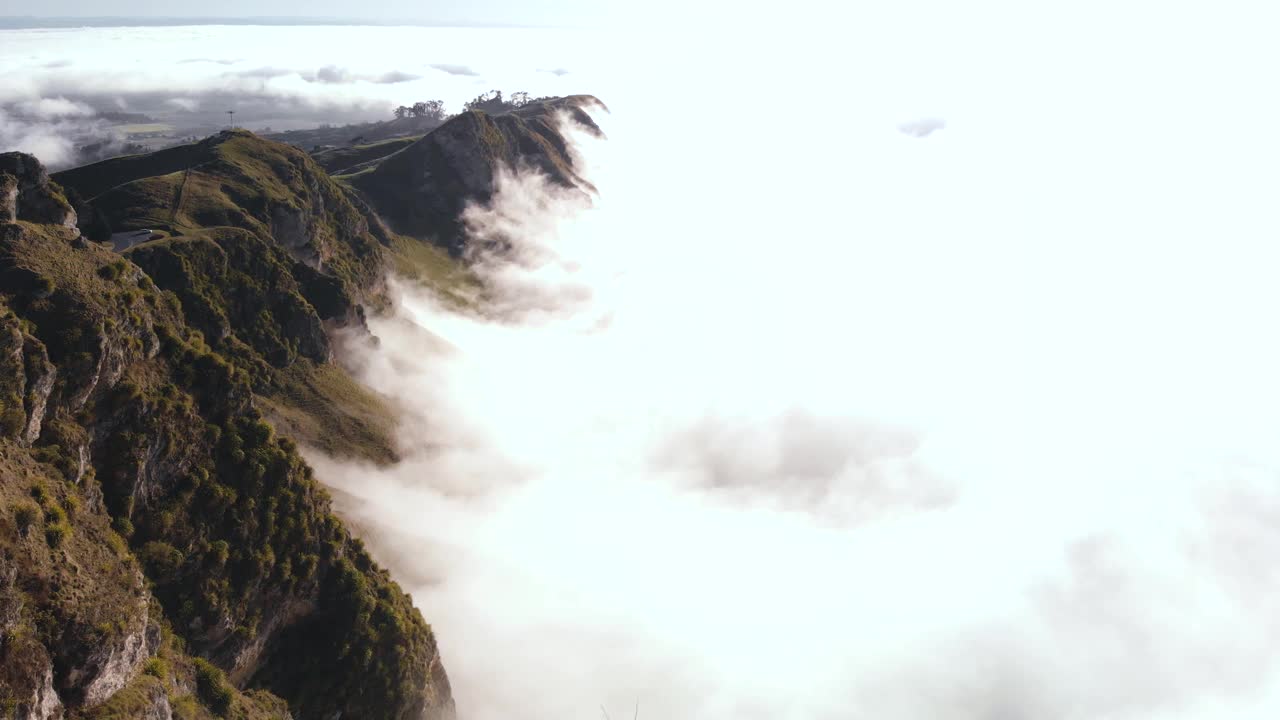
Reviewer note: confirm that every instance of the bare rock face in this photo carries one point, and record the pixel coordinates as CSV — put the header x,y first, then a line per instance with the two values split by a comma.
x,y
13,380
159,707
8,198
115,665
26,670
40,374
93,678
26,381
38,200
291,227
154,492
44,703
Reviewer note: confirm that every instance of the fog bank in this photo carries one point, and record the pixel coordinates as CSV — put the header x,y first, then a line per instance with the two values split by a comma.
x,y
815,418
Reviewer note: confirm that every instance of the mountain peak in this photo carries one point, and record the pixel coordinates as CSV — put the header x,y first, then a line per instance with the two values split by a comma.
x,y
26,192
422,189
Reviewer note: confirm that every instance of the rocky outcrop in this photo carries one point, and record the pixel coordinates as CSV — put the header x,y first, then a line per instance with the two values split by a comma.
x,y
27,669
8,198
291,227
44,703
38,199
38,375
422,190
26,381
157,707
139,447
95,677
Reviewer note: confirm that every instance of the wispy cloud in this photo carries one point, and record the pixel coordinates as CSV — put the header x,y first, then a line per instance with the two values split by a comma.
x,y
462,70
214,61
923,127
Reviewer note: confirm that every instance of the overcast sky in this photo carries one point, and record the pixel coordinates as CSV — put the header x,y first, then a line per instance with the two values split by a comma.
x,y
506,12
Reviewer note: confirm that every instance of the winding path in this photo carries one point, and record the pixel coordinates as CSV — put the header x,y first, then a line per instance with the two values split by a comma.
x,y
177,201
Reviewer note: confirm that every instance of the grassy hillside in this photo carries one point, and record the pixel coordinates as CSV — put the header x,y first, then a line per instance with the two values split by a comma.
x,y
346,160
265,252
164,549
357,134
141,381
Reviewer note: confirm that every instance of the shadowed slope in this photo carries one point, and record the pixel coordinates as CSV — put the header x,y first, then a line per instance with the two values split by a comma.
x,y
422,190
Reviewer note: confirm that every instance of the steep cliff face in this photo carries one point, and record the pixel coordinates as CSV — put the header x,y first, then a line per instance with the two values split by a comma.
x,y
29,194
422,189
8,198
164,550
137,466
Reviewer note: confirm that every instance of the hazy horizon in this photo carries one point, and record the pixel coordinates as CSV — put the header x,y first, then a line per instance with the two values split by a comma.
x,y
36,22
483,13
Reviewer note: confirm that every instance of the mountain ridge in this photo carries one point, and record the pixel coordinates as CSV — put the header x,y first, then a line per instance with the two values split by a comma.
x,y
164,549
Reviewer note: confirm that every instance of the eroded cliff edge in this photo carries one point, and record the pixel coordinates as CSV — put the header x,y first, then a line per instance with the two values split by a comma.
x,y
164,550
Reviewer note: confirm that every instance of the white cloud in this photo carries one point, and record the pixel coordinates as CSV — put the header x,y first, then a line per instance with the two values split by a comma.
x,y
923,127
187,104
455,69
383,66
810,420
53,108
802,418
53,141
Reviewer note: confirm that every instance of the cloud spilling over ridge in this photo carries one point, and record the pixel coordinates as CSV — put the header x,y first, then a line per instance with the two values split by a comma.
x,y
804,418
866,428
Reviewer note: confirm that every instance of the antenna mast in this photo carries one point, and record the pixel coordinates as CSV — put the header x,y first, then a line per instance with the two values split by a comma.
x,y
232,115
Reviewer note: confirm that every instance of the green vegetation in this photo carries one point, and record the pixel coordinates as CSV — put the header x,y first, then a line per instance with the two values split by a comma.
x,y
191,688
212,685
136,700
152,405
434,269
321,406
156,668
228,278
25,515
494,103
433,109
72,594
156,475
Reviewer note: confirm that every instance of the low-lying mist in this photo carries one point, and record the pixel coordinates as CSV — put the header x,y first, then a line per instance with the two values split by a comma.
x,y
815,418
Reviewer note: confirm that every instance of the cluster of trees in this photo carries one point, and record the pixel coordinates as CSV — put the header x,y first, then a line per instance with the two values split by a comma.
x,y
491,102
433,109
494,102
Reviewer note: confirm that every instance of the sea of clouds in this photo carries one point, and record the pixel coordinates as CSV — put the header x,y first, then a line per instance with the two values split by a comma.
x,y
914,365
59,83
938,386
